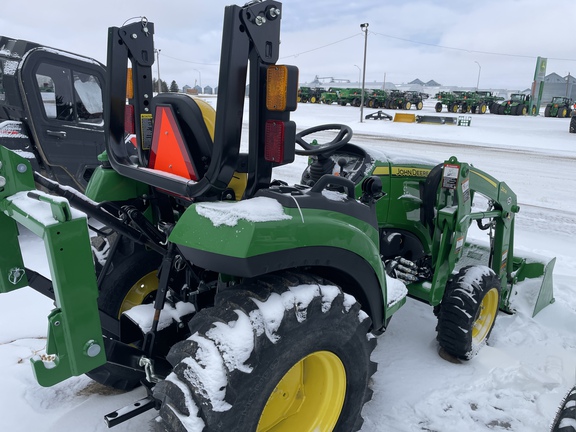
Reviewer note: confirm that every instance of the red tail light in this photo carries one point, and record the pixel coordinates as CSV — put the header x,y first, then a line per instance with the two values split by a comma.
x,y
129,120
274,141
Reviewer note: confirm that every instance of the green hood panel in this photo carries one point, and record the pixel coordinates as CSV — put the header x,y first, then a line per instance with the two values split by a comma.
x,y
248,234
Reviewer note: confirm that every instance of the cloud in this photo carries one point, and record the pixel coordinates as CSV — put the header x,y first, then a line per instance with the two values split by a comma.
x,y
427,39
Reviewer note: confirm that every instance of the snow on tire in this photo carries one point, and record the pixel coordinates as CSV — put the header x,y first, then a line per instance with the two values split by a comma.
x,y
264,345
468,311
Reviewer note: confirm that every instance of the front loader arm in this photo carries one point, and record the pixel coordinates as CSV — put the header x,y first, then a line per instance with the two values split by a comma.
x,y
74,344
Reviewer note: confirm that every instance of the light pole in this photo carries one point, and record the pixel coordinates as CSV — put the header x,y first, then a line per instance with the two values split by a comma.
x,y
158,66
364,28
359,72
199,77
479,70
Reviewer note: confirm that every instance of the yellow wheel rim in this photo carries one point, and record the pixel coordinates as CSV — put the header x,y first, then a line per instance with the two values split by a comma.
x,y
486,316
308,398
139,291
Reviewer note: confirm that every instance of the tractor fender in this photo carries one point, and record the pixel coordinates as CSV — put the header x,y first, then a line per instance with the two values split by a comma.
x,y
258,236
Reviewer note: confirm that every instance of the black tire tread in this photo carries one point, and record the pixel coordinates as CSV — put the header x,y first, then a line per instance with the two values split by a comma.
x,y
229,306
566,419
458,311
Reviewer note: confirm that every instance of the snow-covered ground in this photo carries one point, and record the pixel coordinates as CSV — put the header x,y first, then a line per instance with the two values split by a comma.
x,y
514,384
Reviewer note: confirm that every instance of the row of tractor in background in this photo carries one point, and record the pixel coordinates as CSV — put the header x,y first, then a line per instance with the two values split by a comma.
x,y
373,98
475,102
479,102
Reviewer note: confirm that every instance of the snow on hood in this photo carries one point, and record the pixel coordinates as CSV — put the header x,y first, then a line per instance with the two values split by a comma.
x,y
259,209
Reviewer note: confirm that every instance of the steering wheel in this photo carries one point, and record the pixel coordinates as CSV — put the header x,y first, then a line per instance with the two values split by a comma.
x,y
343,137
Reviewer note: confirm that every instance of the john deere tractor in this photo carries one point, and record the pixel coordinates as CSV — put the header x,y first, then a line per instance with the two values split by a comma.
x,y
560,107
518,104
239,302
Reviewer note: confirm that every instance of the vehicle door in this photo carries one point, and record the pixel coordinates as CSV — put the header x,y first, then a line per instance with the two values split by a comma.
x,y
63,95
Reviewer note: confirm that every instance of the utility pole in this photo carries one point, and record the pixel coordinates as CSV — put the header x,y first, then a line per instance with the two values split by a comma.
x,y
158,66
479,70
199,78
364,28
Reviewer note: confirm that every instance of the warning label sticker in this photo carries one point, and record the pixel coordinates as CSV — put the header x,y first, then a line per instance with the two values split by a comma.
x,y
450,176
466,190
146,125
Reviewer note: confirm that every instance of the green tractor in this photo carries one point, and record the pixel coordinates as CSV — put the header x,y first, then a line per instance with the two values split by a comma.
x,y
413,99
352,96
310,94
560,107
454,101
376,98
518,104
489,99
397,100
229,295
332,95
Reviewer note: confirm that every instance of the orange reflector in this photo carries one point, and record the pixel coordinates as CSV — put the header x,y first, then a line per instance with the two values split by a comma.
x,y
169,152
276,86
274,141
129,84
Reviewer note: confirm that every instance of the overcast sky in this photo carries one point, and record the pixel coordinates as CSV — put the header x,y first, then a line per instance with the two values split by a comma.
x,y
454,42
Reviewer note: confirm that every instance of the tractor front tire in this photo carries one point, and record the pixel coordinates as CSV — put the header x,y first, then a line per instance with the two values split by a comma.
x,y
468,311
282,353
438,107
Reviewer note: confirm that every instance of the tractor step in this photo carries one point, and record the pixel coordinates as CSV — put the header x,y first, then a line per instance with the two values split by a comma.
x,y
140,406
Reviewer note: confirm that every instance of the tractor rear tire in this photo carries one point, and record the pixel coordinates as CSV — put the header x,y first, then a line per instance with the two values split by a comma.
x,y
547,111
468,311
454,108
562,112
264,345
482,108
573,124
132,281
566,418
438,106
